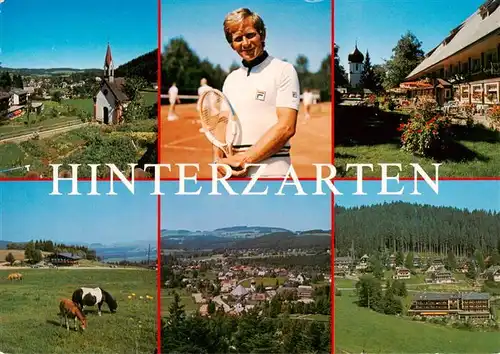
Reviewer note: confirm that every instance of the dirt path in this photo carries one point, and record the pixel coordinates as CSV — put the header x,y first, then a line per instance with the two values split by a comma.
x,y
43,134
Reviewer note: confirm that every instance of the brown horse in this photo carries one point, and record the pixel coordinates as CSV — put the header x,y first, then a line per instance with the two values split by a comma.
x,y
15,276
69,309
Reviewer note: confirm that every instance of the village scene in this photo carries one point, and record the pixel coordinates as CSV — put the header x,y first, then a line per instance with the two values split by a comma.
x,y
85,113
422,102
255,286
236,285
424,274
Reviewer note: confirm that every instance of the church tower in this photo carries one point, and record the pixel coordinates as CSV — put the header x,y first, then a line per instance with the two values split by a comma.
x,y
109,69
355,60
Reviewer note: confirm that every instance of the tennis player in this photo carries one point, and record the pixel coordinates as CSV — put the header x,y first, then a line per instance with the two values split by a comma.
x,y
265,95
203,87
307,99
173,98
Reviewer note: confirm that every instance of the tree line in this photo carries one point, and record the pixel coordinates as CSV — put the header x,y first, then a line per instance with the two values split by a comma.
x,y
7,82
247,333
144,66
33,249
415,228
180,64
407,54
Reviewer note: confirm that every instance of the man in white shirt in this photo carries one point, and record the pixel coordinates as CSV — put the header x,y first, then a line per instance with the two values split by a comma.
x,y
307,99
173,98
265,94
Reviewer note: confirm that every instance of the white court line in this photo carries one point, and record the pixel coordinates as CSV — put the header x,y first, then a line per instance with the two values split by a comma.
x,y
175,142
185,148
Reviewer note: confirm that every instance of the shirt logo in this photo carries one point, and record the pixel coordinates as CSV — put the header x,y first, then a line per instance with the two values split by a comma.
x,y
294,94
261,95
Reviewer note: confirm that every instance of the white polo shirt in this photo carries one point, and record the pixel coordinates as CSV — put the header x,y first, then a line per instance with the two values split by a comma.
x,y
172,94
254,96
201,90
307,98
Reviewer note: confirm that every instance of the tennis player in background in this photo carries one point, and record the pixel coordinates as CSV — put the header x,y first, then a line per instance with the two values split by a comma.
x,y
173,98
204,87
265,95
307,99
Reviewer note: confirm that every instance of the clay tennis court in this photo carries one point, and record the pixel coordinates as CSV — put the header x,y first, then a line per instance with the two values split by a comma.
x,y
182,142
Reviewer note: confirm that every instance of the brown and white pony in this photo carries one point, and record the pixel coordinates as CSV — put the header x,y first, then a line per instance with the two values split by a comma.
x,y
15,276
69,309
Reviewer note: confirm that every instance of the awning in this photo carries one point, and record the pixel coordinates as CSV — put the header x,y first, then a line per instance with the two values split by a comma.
x,y
416,85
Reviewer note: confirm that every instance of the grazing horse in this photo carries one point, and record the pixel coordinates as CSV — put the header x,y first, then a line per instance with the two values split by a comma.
x,y
15,276
92,296
68,308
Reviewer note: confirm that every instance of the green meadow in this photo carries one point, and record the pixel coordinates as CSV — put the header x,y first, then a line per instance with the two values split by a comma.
x,y
29,321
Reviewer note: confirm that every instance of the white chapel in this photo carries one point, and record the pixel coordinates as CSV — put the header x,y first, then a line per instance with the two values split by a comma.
x,y
355,60
111,100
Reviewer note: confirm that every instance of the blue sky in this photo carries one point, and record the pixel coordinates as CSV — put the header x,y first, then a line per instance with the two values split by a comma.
x,y
27,211
58,33
208,212
471,195
377,25
293,27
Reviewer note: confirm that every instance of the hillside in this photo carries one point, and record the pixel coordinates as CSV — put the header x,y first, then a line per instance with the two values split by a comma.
x,y
286,240
50,71
261,229
411,227
18,254
276,240
145,66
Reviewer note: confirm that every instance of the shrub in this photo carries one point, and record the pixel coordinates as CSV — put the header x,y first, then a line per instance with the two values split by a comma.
x,y
494,115
426,132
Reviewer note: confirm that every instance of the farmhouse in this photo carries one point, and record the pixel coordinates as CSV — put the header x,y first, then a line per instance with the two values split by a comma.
x,y
111,100
402,273
465,65
492,273
363,262
343,263
18,97
304,291
463,305
63,259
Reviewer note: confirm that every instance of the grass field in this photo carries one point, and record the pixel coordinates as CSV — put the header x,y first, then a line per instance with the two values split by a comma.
x,y
265,280
120,144
87,105
358,329
29,321
373,139
186,299
18,254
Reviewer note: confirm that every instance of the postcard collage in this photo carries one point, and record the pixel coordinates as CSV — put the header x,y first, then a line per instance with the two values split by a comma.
x,y
266,176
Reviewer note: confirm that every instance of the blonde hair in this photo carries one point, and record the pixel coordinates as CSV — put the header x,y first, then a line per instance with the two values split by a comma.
x,y
238,16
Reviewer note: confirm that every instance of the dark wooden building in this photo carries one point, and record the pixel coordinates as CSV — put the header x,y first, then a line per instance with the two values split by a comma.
x,y
63,259
463,305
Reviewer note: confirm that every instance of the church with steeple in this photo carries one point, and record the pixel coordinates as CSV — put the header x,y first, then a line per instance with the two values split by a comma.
x,y
355,60
111,100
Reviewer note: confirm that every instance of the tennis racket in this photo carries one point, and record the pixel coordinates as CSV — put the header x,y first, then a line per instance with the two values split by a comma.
x,y
218,120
